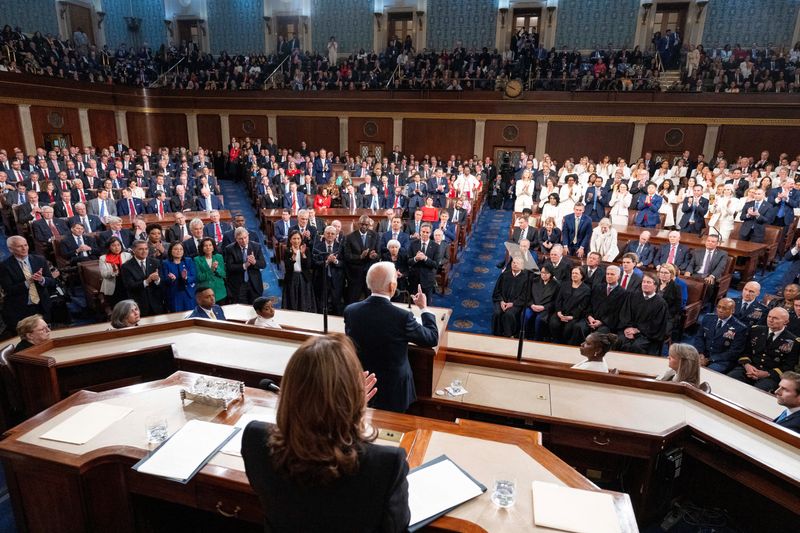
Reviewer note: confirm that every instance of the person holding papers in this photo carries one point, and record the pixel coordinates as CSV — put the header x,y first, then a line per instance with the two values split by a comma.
x,y
317,469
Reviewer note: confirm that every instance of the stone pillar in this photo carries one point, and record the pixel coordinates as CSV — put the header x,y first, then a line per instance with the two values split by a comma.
x,y
541,138
191,128
480,135
122,126
637,145
26,123
225,129
343,133
272,127
710,143
86,130
397,133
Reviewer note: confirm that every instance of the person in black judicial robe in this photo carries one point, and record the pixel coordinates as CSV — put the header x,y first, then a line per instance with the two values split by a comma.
x,y
143,285
542,298
645,318
16,303
360,252
241,290
333,269
572,301
422,270
298,290
561,272
381,332
604,306
509,296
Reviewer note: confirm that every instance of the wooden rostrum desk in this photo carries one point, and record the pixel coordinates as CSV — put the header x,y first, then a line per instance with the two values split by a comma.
x,y
92,487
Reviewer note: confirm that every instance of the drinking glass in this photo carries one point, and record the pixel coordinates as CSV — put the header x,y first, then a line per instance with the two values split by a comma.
x,y
156,429
505,490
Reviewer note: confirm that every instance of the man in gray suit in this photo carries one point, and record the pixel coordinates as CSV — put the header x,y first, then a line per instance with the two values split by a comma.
x,y
102,206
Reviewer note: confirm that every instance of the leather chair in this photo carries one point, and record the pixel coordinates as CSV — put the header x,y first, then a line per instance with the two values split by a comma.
x,y
11,406
91,281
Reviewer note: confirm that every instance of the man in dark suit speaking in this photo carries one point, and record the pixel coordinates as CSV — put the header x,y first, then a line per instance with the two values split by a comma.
x,y
381,332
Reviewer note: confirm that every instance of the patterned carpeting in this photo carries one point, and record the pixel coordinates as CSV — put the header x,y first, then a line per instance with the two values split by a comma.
x,y
7,524
473,278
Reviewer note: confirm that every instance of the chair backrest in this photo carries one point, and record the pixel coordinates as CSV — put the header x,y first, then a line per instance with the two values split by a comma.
x,y
11,406
705,387
91,281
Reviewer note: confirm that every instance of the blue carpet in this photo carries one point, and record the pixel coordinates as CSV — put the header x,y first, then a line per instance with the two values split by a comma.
x,y
7,524
473,278
238,201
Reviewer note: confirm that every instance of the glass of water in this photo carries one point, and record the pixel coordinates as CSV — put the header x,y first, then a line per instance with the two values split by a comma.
x,y
456,386
156,429
505,490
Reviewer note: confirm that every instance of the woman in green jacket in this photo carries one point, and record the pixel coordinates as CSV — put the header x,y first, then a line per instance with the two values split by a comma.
x,y
211,269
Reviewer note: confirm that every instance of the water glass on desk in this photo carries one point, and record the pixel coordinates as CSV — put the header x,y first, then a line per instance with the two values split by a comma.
x,y
504,490
156,429
457,386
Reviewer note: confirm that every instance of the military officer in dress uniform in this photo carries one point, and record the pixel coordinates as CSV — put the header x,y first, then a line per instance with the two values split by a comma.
x,y
748,310
721,338
772,350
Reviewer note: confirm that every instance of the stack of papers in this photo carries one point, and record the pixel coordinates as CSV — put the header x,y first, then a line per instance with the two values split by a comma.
x,y
568,509
181,456
88,422
436,488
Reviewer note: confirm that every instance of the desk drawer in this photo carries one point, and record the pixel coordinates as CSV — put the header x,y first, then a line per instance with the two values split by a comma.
x,y
229,503
602,440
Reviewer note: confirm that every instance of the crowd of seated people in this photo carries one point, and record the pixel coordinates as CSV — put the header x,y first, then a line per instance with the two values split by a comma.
x,y
400,66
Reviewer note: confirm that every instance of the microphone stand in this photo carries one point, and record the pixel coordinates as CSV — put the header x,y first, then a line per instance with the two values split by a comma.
x,y
325,295
521,335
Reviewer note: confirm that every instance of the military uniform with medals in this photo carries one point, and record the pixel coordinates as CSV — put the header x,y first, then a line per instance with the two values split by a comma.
x,y
776,357
754,315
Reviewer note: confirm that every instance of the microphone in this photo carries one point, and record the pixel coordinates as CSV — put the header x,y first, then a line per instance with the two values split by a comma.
x,y
269,386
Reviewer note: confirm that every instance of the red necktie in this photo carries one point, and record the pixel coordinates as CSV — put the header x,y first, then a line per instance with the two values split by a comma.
x,y
68,205
19,176
625,281
131,207
160,209
64,185
218,232
45,174
80,193
294,202
37,215
396,200
54,229
671,257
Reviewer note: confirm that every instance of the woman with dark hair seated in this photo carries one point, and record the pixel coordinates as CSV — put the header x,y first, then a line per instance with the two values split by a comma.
x,y
317,469
594,349
571,306
265,314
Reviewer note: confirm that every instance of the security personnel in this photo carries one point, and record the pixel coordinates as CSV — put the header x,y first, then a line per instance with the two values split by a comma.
x,y
772,351
748,310
721,338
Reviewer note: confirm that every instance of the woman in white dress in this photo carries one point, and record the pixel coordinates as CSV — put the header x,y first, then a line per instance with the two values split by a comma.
x,y
723,212
568,168
603,168
662,173
552,210
686,190
333,49
667,192
549,188
698,170
679,169
583,177
622,164
570,194
524,190
620,202
604,240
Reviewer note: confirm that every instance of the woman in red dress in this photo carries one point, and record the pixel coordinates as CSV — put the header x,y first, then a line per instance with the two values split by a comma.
x,y
322,200
429,213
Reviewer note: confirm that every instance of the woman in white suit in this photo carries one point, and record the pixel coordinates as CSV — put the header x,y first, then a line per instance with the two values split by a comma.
x,y
620,202
524,190
723,212
604,240
110,265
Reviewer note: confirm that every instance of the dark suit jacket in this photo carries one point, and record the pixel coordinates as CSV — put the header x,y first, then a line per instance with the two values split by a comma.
x,y
584,232
197,312
716,266
209,230
150,299
422,272
41,230
373,499
354,264
634,282
177,205
381,333
530,234
12,280
152,208
402,238
123,210
104,236
94,221
234,267
700,209
791,422
753,227
721,345
681,260
69,248
200,203
462,215
647,255
301,200
347,203
173,232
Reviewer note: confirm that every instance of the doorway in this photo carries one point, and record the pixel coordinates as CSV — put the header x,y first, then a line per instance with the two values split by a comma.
x,y
189,31
671,17
80,17
366,149
400,25
514,153
57,141
526,19
288,27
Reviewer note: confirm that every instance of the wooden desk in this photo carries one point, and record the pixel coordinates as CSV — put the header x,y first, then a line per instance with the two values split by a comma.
x,y
62,487
101,360
348,218
169,218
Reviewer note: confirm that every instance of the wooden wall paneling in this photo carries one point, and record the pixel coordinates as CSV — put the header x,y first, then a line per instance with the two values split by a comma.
x,y
369,130
208,132
253,126
103,126
751,140
439,137
317,132
10,132
61,120
574,139
157,129
510,133
660,138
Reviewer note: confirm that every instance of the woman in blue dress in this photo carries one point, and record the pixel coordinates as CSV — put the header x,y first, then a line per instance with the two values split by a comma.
x,y
178,274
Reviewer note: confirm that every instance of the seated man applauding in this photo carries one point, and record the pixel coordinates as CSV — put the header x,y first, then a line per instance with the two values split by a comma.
x,y
206,304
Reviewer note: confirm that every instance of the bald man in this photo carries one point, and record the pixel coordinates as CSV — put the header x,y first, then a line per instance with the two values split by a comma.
x,y
771,351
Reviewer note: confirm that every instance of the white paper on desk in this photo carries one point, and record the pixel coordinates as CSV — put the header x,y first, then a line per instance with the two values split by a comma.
x,y
262,414
87,423
187,450
438,487
568,509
